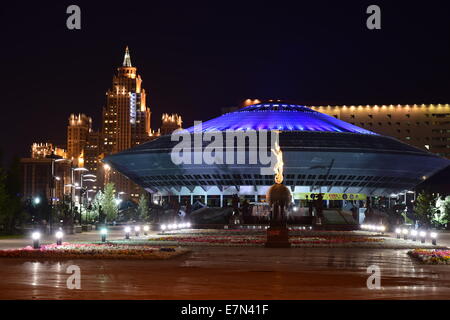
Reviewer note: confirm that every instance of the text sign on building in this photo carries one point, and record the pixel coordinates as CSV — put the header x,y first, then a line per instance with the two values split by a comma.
x,y
329,196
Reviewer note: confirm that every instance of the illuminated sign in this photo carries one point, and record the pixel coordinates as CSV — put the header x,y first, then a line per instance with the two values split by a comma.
x,y
329,196
133,97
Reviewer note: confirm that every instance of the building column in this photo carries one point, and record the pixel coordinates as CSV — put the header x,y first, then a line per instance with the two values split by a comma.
x,y
256,197
221,200
192,198
206,199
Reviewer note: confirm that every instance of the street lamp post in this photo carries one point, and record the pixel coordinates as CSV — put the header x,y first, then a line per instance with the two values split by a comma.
x,y
89,201
119,195
81,185
53,178
36,236
103,232
83,191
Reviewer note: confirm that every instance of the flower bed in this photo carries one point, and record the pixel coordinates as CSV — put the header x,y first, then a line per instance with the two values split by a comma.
x,y
253,239
431,256
233,232
93,251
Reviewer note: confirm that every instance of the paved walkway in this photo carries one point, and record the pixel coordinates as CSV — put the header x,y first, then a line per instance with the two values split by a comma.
x,y
227,273
443,238
232,273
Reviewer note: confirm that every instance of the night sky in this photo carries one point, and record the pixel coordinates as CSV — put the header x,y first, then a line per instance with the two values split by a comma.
x,y
197,57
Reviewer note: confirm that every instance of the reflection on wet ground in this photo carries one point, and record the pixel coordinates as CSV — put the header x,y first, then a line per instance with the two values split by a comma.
x,y
232,273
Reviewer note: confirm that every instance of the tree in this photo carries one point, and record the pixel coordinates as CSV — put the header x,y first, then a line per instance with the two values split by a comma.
x,y
5,211
143,208
441,216
425,207
11,208
96,205
109,205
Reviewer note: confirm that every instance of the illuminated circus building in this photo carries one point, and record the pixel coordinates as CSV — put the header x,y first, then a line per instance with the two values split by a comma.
x,y
322,155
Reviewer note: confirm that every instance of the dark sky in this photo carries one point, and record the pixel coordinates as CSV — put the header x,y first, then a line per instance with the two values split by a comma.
x,y
197,57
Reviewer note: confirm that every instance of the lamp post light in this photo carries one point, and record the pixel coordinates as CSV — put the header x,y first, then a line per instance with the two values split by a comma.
x,y
146,228
59,236
70,185
85,192
36,236
127,233
398,232
37,200
433,236
120,194
106,171
136,231
405,234
103,232
422,235
414,235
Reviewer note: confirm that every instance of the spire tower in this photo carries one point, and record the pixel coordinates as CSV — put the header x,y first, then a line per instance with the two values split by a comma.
x,y
127,58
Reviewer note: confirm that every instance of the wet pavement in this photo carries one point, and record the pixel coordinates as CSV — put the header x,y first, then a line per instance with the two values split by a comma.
x,y
233,273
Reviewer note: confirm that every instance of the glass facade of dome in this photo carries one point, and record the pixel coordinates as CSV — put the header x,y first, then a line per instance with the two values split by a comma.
x,y
279,116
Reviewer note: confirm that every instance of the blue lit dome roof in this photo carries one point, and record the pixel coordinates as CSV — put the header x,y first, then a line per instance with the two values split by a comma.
x,y
318,150
279,116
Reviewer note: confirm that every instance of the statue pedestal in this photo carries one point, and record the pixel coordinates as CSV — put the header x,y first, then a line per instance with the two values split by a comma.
x,y
278,196
278,237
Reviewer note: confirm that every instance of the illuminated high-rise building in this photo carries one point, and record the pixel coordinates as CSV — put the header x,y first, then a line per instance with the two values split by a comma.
x,y
170,123
126,118
426,126
36,177
42,150
92,152
78,130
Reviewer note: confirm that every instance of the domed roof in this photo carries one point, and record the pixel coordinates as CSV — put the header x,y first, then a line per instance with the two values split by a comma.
x,y
279,116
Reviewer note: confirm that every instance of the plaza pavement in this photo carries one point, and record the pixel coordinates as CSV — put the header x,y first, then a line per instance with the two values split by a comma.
x,y
232,273
227,273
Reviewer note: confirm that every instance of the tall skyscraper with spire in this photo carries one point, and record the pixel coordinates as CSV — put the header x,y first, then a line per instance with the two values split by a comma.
x,y
126,117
